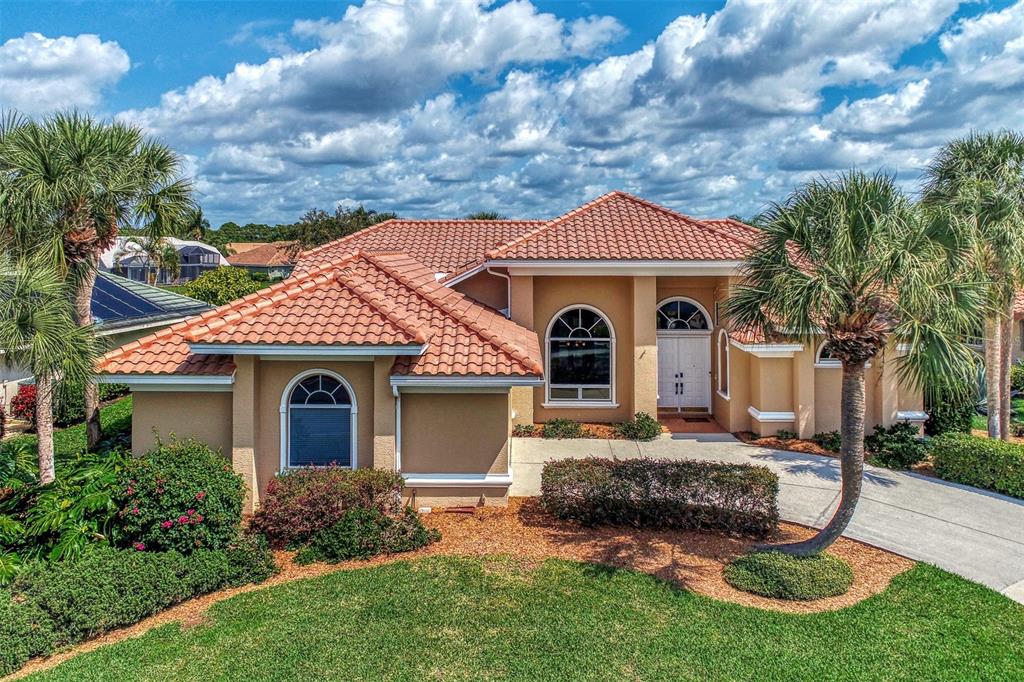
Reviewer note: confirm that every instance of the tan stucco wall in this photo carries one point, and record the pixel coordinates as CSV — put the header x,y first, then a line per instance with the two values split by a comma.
x,y
203,416
438,498
455,433
489,289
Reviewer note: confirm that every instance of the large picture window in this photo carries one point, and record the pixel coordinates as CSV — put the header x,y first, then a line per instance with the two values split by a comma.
x,y
580,347
319,423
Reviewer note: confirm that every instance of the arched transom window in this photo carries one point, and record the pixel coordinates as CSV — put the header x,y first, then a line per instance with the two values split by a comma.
x,y
682,315
580,356
826,358
320,423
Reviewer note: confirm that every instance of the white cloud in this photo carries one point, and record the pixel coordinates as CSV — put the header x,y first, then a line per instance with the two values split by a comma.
x,y
590,35
39,74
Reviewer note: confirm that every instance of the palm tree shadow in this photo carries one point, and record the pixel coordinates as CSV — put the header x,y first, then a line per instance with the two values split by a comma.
x,y
821,467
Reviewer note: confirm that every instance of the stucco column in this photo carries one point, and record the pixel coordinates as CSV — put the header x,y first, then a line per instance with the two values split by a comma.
x,y
383,414
521,312
888,386
803,391
243,427
645,345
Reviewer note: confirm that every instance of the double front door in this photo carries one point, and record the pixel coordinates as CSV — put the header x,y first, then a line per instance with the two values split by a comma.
x,y
684,371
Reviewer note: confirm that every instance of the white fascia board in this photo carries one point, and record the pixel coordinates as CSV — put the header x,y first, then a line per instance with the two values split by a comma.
x,y
457,480
170,382
912,416
618,267
769,350
466,275
463,382
771,417
304,349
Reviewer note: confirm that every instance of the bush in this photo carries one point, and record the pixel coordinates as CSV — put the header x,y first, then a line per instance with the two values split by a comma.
x,y
786,434
3,422
1017,376
181,496
949,412
641,427
739,498
69,401
562,428
781,576
25,632
301,502
365,533
23,405
222,285
830,440
982,462
523,431
896,447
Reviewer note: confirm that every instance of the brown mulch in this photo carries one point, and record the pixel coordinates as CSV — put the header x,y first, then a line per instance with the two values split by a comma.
x,y
792,444
693,560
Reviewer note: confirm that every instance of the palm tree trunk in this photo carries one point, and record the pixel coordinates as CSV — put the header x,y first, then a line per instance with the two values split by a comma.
x,y
44,427
851,463
1005,361
83,314
993,332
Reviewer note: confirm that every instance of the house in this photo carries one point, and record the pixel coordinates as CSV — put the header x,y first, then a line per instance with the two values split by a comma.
x,y
417,344
123,310
273,259
126,257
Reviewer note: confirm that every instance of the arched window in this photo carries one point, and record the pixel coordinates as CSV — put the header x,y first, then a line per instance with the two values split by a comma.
x,y
318,422
680,314
723,364
581,347
825,358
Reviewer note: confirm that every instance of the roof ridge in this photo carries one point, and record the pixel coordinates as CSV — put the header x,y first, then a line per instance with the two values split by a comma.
x,y
672,212
493,253
341,240
365,292
490,336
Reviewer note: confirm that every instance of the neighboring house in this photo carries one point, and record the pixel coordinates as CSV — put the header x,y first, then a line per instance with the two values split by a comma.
x,y
391,348
271,259
127,258
124,310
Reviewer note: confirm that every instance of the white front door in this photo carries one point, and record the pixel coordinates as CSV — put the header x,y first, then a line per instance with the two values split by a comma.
x,y
684,371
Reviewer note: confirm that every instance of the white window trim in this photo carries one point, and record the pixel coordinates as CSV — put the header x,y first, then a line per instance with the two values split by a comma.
x,y
723,342
354,412
562,402
829,363
685,332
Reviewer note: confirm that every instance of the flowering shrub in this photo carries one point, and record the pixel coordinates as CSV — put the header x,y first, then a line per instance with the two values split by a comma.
x,y
23,405
365,533
300,502
181,496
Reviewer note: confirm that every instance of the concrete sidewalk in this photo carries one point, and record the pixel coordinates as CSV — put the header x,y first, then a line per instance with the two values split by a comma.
x,y
971,532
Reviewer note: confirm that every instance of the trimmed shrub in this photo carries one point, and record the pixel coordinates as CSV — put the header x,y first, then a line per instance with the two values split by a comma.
x,y
896,447
781,576
1017,377
641,427
523,431
181,496
830,440
25,632
982,462
562,428
300,502
365,533
786,434
23,405
738,498
949,412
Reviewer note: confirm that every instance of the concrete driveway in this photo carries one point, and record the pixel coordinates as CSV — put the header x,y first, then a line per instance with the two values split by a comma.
x,y
971,532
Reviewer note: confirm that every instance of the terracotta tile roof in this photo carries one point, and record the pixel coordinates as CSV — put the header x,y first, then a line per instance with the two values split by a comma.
x,y
1018,306
274,253
362,298
620,226
445,246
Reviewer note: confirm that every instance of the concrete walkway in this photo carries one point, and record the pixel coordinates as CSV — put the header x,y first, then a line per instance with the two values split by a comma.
x,y
971,532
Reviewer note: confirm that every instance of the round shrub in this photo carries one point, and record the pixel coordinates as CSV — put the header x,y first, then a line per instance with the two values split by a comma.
x,y
830,440
222,285
181,496
781,576
642,427
365,533
896,447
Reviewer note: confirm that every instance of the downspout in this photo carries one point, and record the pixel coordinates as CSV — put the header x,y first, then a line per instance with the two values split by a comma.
x,y
398,428
508,290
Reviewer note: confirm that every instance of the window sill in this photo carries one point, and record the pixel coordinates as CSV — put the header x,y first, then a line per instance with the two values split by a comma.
x,y
723,396
581,404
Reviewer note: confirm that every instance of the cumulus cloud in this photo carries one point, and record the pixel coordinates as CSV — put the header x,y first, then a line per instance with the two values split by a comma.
x,y
39,74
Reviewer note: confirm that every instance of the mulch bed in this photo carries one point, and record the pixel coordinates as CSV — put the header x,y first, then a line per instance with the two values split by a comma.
x,y
590,430
693,560
924,467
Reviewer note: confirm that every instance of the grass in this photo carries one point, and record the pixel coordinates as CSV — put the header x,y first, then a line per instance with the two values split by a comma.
x,y
116,419
496,619
980,422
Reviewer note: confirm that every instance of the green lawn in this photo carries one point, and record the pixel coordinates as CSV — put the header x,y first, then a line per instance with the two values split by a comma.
x,y
980,422
470,619
116,419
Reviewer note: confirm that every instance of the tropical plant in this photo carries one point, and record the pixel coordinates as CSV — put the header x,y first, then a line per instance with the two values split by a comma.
x,y
486,215
222,285
849,258
38,332
980,180
69,183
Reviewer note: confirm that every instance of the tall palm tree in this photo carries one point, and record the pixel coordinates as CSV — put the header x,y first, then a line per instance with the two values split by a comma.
x,y
850,259
980,179
38,331
93,178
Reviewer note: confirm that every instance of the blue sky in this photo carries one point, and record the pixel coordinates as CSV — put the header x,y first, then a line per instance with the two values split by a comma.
x,y
442,108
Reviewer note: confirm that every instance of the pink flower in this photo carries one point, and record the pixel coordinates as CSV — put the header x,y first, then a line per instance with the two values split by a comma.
x,y
198,518
200,495
135,510
130,491
139,547
191,512
167,524
182,519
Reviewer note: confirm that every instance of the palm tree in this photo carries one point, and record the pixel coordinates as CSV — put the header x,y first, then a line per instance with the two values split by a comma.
x,y
38,331
850,259
980,179
89,178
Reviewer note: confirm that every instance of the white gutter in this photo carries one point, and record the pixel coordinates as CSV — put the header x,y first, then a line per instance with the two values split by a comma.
x,y
466,275
471,382
398,428
322,350
508,290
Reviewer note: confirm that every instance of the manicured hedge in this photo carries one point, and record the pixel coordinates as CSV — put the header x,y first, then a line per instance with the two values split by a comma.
x,y
738,498
982,462
781,576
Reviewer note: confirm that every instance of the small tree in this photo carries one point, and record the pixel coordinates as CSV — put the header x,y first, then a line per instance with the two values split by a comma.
x,y
849,258
222,285
318,227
